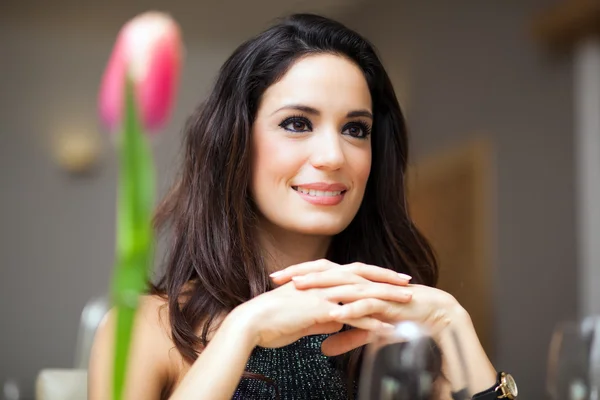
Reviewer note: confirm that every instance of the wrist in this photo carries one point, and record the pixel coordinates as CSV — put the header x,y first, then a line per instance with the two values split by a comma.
x,y
462,332
242,321
460,318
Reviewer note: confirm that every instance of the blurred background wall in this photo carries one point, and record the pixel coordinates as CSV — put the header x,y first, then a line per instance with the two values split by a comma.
x,y
463,70
470,70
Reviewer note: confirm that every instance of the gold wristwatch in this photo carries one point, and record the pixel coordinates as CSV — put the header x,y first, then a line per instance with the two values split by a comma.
x,y
504,388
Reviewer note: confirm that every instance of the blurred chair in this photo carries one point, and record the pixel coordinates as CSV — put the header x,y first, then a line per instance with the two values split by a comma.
x,y
92,315
71,383
61,384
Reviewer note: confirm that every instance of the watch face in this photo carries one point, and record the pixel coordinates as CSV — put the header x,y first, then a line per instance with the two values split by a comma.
x,y
511,385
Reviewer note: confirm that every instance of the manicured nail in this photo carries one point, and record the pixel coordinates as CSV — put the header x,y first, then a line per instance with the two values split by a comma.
x,y
404,276
276,274
298,278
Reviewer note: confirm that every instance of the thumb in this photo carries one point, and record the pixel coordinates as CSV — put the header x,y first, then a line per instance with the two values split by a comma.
x,y
343,342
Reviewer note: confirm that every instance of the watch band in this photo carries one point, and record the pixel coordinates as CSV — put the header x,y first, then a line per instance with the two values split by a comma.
x,y
504,388
463,394
489,394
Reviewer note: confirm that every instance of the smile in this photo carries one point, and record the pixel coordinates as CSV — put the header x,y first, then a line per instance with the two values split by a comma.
x,y
317,193
321,197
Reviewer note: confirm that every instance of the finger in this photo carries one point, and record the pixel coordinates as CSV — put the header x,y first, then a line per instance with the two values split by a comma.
x,y
332,277
367,307
367,323
360,291
323,328
343,342
285,275
378,274
351,273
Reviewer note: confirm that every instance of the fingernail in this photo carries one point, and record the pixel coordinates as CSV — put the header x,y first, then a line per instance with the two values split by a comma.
x,y
336,313
387,326
298,278
276,274
404,276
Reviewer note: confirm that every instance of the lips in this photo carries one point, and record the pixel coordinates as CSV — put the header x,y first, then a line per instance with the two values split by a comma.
x,y
320,193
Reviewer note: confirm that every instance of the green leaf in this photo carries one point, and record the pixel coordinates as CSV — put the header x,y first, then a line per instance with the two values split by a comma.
x,y
135,236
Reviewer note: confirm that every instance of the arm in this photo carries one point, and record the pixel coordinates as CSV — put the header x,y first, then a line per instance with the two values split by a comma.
x,y
273,319
153,364
473,364
217,372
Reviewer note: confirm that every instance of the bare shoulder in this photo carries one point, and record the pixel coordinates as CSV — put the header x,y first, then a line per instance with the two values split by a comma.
x,y
154,362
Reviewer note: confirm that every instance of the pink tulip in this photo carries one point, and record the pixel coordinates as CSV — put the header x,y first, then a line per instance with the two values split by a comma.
x,y
149,50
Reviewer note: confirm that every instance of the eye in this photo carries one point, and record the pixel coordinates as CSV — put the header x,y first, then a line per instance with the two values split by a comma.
x,y
357,129
296,124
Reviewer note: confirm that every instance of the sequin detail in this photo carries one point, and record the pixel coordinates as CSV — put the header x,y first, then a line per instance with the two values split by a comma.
x,y
300,371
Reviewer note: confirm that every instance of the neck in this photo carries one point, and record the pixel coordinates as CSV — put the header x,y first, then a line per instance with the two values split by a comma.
x,y
283,248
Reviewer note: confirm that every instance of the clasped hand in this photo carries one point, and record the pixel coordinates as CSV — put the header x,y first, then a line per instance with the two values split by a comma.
x,y
368,298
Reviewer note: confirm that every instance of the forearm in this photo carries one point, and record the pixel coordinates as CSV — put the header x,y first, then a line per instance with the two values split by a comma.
x,y
471,368
217,371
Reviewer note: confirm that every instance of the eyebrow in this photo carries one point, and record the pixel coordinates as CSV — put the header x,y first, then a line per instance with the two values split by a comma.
x,y
314,111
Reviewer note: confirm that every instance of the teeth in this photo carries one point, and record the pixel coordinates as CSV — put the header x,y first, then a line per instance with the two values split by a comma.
x,y
318,193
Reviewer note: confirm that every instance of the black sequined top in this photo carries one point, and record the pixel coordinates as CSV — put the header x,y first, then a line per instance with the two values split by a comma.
x,y
299,371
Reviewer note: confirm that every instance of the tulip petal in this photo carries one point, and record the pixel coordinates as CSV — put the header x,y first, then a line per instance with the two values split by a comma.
x,y
148,51
156,92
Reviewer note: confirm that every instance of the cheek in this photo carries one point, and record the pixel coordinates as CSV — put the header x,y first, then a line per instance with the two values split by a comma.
x,y
273,160
362,165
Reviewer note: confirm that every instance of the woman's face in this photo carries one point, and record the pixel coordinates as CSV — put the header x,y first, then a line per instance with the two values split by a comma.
x,y
311,147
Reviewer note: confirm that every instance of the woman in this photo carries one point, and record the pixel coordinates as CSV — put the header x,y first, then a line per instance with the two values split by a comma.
x,y
291,235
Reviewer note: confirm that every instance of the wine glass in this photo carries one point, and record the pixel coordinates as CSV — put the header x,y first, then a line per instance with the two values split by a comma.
x,y
574,360
408,363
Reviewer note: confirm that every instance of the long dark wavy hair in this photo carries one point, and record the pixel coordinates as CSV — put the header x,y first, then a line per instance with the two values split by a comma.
x,y
214,261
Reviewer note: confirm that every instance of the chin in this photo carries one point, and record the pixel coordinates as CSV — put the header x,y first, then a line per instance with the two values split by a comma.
x,y
318,231
308,222
321,227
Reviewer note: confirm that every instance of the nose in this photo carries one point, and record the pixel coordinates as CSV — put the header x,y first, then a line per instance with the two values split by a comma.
x,y
327,151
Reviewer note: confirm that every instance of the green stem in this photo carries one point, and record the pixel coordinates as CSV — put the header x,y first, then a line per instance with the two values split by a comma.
x,y
135,236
